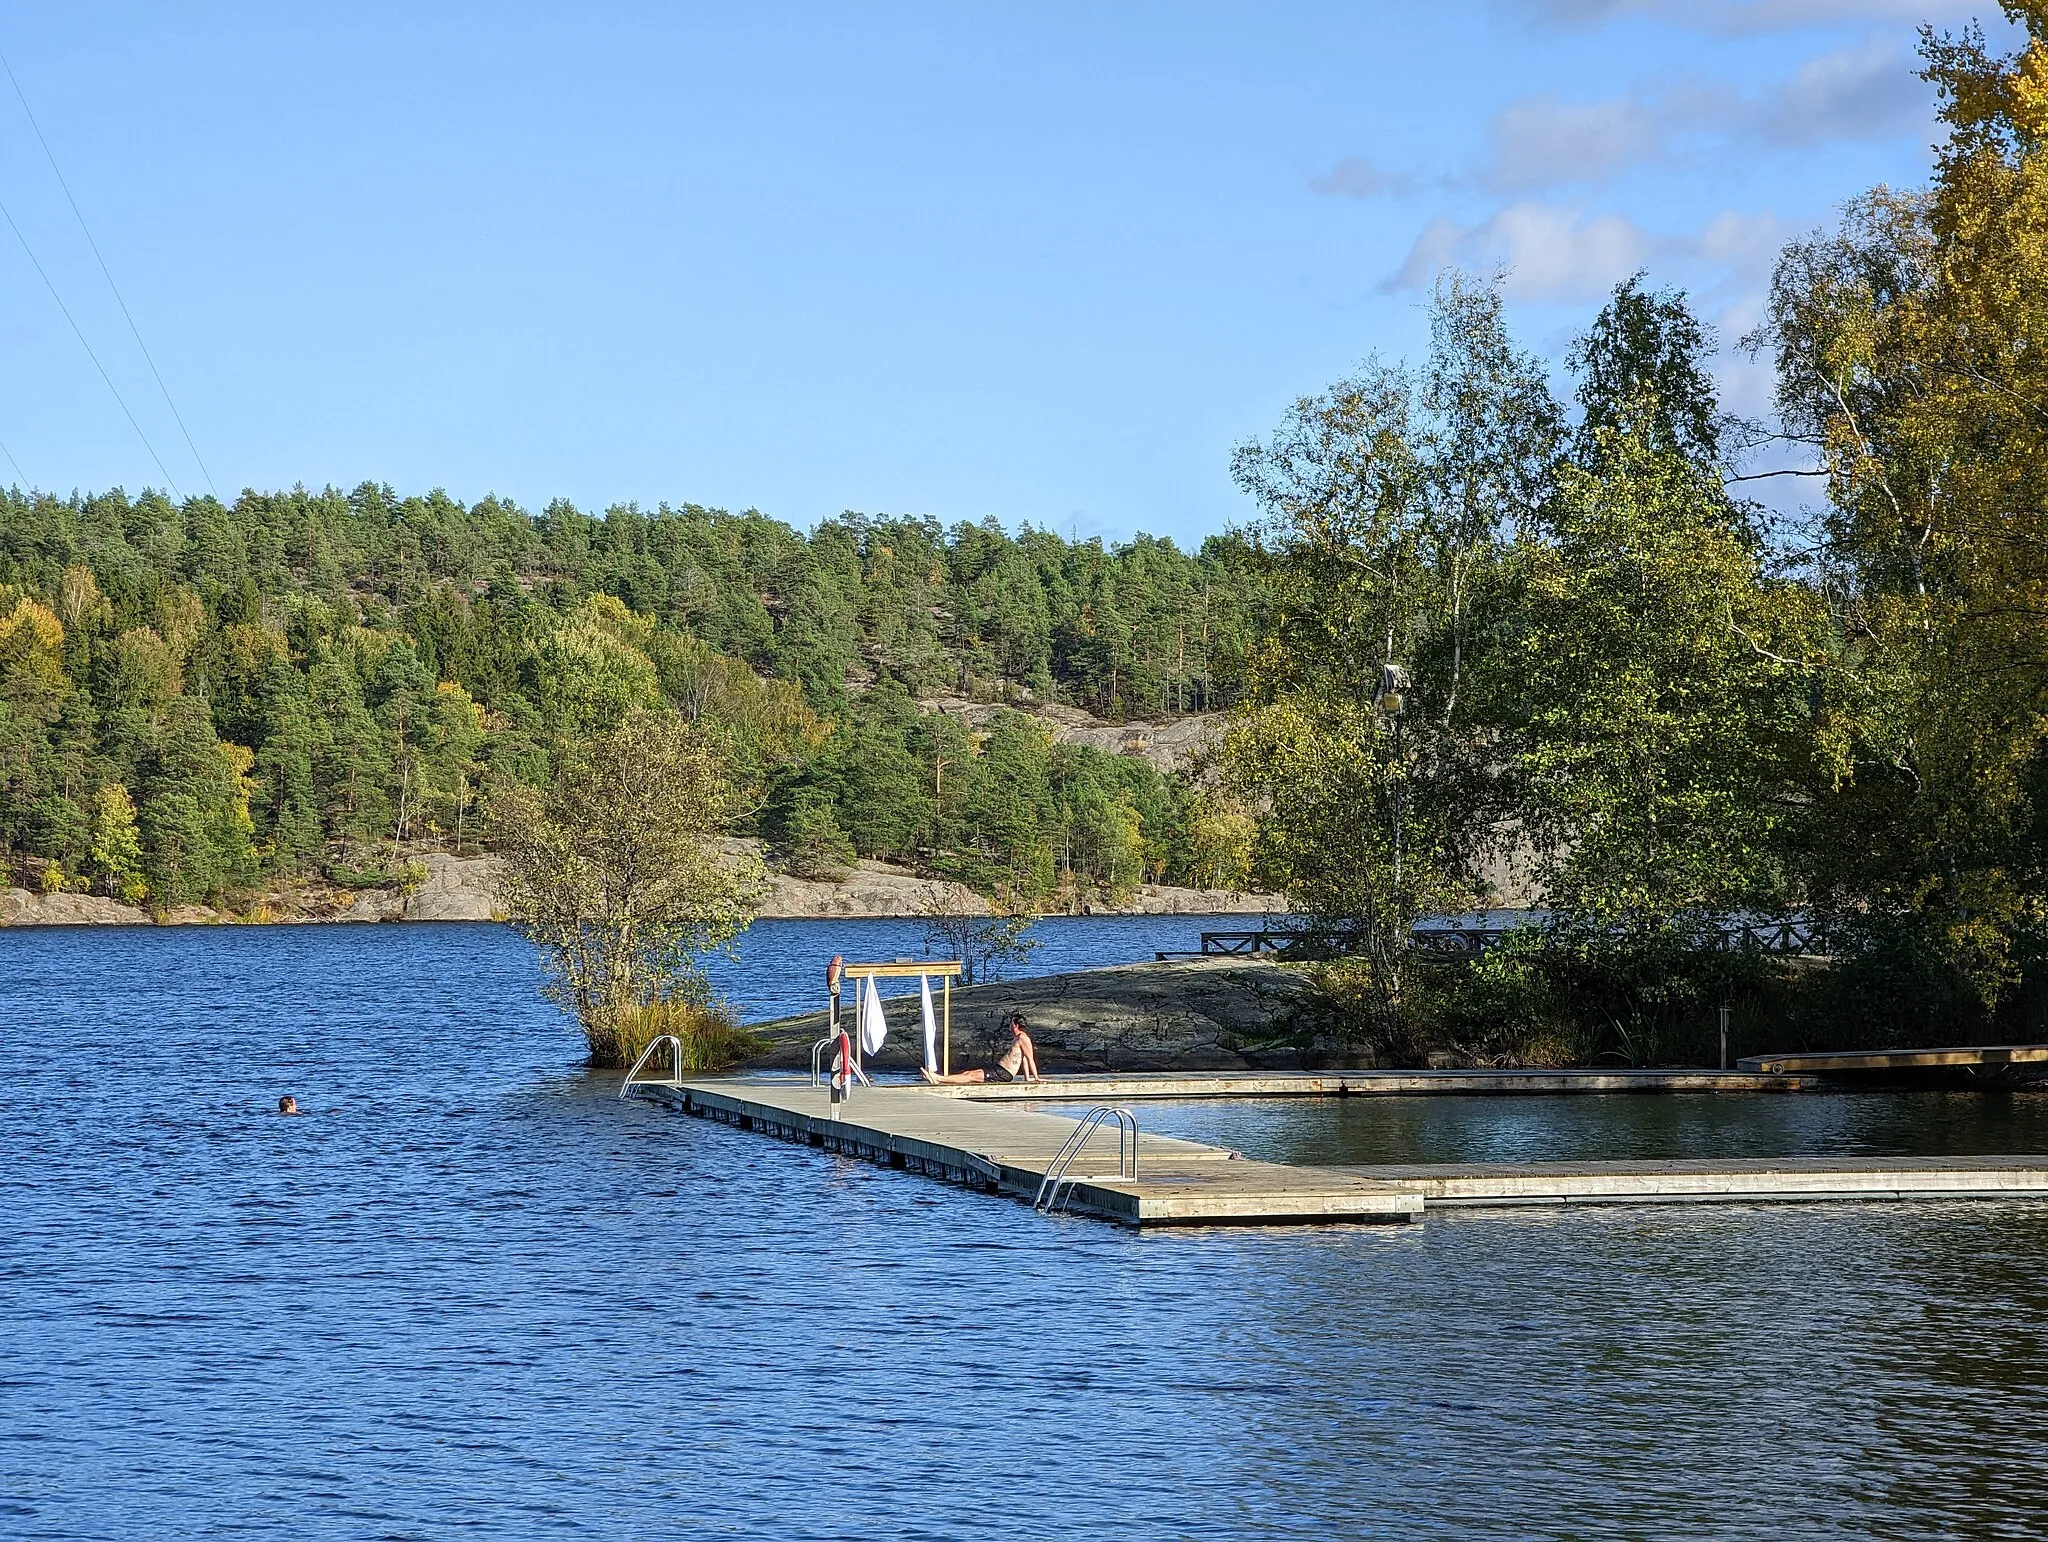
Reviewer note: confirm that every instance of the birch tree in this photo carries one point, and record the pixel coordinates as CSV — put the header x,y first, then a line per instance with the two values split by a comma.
x,y
613,873
1385,501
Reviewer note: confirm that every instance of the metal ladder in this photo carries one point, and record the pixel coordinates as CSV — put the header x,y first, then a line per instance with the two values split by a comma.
x,y
818,1049
1058,1175
654,1044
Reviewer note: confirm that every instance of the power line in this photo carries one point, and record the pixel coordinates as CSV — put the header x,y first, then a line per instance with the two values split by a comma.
x,y
139,434
22,97
15,464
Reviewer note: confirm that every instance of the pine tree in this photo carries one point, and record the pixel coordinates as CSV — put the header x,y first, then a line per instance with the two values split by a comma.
x,y
283,804
195,817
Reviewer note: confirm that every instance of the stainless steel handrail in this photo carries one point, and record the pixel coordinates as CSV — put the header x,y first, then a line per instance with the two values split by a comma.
x,y
818,1049
1057,1172
654,1044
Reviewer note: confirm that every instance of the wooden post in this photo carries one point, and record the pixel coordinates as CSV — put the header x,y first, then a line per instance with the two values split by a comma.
x,y
946,1060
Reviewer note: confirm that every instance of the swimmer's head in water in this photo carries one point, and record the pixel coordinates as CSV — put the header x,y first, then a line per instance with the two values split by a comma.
x,y
287,1104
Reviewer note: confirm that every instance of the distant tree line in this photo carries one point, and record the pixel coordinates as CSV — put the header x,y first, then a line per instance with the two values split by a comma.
x,y
198,697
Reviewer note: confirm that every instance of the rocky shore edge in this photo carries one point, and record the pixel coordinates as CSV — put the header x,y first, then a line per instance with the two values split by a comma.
x,y
458,888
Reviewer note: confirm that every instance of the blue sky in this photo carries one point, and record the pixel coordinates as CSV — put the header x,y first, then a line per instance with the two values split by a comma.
x,y
1041,262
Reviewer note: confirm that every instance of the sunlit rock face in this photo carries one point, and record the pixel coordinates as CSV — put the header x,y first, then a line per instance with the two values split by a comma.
x,y
23,907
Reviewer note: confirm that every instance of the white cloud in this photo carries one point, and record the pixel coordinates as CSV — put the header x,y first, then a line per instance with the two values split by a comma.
x,y
1866,92
1549,253
1746,244
1357,177
1739,17
1857,93
1542,142
1545,253
1438,247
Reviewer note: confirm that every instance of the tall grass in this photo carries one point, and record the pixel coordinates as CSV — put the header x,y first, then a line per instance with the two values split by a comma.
x,y
711,1037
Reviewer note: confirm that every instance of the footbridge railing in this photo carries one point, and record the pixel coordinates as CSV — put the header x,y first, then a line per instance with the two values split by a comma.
x,y
1236,945
1463,938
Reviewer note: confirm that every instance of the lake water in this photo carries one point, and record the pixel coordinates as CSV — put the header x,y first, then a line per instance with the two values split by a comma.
x,y
1573,1126
473,1293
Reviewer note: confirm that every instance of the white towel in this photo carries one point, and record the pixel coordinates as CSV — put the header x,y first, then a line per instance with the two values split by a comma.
x,y
873,1026
931,1028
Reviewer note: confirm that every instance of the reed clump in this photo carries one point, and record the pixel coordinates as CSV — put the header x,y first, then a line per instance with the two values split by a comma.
x,y
711,1036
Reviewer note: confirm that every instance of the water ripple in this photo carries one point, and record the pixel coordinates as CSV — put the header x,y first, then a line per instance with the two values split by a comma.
x,y
472,1293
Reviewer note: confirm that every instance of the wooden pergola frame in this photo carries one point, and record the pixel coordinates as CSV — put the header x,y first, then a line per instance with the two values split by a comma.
x,y
948,970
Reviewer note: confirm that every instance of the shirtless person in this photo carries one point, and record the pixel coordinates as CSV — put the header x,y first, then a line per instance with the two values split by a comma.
x,y
1019,1059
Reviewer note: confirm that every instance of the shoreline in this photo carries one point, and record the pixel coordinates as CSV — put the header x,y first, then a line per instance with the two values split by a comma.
x,y
460,888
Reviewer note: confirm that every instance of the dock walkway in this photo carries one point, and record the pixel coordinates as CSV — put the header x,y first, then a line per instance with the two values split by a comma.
x,y
1005,1150
1133,1086
1966,1057
1726,1180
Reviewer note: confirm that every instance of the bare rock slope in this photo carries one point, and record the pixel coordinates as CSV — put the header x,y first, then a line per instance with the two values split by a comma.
x,y
24,907
1206,1014
1171,744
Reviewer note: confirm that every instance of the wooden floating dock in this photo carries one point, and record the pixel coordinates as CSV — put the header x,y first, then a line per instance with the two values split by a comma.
x,y
1963,1056
1003,1150
1007,1151
1135,1086
1727,1180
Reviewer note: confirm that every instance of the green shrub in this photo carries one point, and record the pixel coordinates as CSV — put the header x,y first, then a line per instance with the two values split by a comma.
x,y
1558,998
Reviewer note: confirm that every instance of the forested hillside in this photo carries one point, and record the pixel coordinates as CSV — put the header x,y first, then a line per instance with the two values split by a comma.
x,y
195,697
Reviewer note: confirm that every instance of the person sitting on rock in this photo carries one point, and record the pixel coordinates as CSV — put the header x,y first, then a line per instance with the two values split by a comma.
x,y
1020,1059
